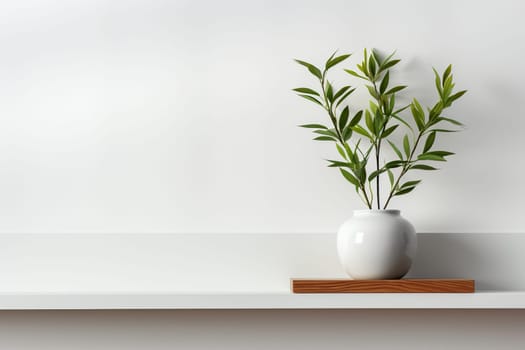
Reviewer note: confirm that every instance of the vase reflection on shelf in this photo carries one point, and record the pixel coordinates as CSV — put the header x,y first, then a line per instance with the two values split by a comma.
x,y
376,244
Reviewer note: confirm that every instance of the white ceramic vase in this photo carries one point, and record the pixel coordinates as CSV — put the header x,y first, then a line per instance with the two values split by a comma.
x,y
376,244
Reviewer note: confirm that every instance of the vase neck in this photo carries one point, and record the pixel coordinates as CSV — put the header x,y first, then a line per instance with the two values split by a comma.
x,y
393,212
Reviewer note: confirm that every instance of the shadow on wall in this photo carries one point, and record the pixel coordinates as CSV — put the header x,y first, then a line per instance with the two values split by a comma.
x,y
490,260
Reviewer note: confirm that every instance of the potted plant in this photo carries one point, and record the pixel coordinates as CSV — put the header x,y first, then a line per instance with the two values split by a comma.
x,y
377,243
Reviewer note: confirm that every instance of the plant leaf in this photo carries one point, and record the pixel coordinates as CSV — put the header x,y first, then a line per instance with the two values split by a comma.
x,y
372,66
441,153
390,103
448,85
349,177
313,126
344,97
329,132
332,55
338,164
348,151
394,164
395,116
341,151
427,156
329,91
305,90
324,138
377,57
389,57
360,171
384,82
373,106
410,184
396,150
390,64
447,72
418,114
455,97
369,122
341,91
359,129
438,83
372,92
343,119
422,167
444,130
395,89
356,119
404,191
430,141
455,122
311,68
310,98
355,74
333,61
347,133
389,131
406,146
376,173
390,177
435,112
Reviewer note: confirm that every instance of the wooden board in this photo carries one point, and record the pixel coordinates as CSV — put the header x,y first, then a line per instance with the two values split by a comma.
x,y
383,286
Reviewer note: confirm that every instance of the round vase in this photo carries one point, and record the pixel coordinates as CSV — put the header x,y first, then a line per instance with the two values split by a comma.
x,y
376,244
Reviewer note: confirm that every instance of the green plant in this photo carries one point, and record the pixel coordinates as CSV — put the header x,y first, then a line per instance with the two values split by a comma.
x,y
362,135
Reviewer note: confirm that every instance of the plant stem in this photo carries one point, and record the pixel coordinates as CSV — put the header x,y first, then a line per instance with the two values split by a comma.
x,y
377,178
368,203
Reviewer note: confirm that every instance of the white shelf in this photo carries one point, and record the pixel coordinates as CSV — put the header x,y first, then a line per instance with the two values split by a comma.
x,y
239,271
65,301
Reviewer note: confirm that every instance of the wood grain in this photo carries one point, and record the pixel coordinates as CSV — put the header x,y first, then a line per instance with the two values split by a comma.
x,y
383,286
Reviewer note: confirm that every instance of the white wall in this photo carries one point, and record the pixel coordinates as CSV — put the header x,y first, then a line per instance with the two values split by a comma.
x,y
177,116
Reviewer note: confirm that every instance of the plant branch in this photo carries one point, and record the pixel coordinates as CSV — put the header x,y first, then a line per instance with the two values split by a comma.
x,y
329,108
377,116
377,143
406,167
